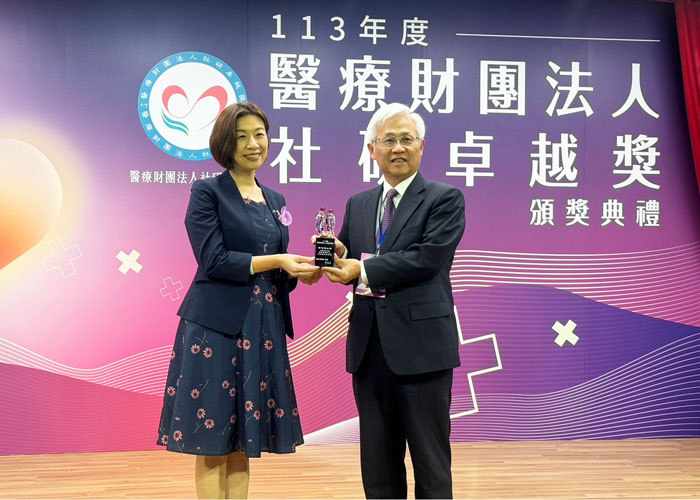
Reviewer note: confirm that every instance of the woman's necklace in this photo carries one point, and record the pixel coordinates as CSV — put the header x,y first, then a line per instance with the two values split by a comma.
x,y
247,196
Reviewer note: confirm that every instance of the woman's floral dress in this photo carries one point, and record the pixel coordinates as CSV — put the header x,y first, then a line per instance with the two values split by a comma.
x,y
229,393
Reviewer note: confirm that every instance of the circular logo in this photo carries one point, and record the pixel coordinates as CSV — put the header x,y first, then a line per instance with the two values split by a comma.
x,y
180,99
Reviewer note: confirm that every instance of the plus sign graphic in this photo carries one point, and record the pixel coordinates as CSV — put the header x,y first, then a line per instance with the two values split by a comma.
x,y
61,258
498,366
565,333
171,289
129,262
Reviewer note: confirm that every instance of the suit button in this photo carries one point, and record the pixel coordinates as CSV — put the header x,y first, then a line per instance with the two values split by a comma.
x,y
369,308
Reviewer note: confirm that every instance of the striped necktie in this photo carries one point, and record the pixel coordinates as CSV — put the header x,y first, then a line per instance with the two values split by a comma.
x,y
389,210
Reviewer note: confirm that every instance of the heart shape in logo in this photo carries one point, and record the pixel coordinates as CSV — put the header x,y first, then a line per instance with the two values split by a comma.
x,y
177,121
30,198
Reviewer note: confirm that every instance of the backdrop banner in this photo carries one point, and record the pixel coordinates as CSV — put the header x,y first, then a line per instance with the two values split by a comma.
x,y
576,283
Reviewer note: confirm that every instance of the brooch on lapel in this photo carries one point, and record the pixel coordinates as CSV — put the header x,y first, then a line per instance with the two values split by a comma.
x,y
284,216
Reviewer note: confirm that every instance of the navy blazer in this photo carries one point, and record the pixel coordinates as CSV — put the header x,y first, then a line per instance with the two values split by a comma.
x,y
415,322
222,236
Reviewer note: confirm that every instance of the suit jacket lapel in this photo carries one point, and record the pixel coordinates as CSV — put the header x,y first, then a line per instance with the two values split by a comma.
x,y
370,205
275,204
231,191
412,198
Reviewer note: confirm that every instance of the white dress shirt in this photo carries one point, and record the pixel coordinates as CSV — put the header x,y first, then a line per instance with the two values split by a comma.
x,y
401,188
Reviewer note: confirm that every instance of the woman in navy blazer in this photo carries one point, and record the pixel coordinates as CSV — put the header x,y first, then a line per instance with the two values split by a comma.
x,y
229,393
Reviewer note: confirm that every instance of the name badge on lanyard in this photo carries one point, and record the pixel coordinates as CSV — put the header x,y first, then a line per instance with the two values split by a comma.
x,y
380,239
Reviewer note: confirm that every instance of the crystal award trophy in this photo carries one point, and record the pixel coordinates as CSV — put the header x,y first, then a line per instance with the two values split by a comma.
x,y
325,242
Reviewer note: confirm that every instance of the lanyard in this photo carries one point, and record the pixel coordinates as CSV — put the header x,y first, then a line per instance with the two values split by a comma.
x,y
381,234
380,238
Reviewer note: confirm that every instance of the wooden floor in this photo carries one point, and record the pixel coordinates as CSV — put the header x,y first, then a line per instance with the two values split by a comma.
x,y
547,470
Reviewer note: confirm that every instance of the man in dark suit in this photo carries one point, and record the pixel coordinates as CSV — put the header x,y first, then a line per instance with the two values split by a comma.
x,y
396,246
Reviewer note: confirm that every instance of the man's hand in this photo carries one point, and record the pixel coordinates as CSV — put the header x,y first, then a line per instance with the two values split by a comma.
x,y
311,276
347,270
339,247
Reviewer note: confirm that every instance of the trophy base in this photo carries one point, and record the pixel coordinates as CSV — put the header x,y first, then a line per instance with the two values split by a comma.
x,y
325,251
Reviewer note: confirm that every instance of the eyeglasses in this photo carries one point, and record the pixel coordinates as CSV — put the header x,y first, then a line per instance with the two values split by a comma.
x,y
390,141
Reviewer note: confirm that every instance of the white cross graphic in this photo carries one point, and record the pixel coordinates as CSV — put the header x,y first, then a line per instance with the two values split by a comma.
x,y
471,375
61,258
565,333
171,289
129,262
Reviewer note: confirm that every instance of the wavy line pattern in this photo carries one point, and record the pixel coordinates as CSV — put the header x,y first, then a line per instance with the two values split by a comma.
x,y
656,395
145,372
328,331
174,124
663,283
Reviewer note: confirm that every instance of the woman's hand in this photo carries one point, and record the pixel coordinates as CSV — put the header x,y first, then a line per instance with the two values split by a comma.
x,y
311,277
298,266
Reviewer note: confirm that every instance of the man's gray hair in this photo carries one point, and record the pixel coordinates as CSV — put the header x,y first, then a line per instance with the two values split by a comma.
x,y
389,111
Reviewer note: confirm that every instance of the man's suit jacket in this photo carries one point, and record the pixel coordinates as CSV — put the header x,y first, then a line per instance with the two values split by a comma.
x,y
223,240
415,321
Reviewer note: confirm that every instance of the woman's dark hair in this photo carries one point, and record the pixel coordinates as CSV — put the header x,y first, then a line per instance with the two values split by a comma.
x,y
222,141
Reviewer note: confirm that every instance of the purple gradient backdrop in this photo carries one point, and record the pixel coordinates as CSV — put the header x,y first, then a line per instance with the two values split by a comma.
x,y
73,73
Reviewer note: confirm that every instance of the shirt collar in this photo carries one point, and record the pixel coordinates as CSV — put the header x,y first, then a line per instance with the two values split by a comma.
x,y
401,187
